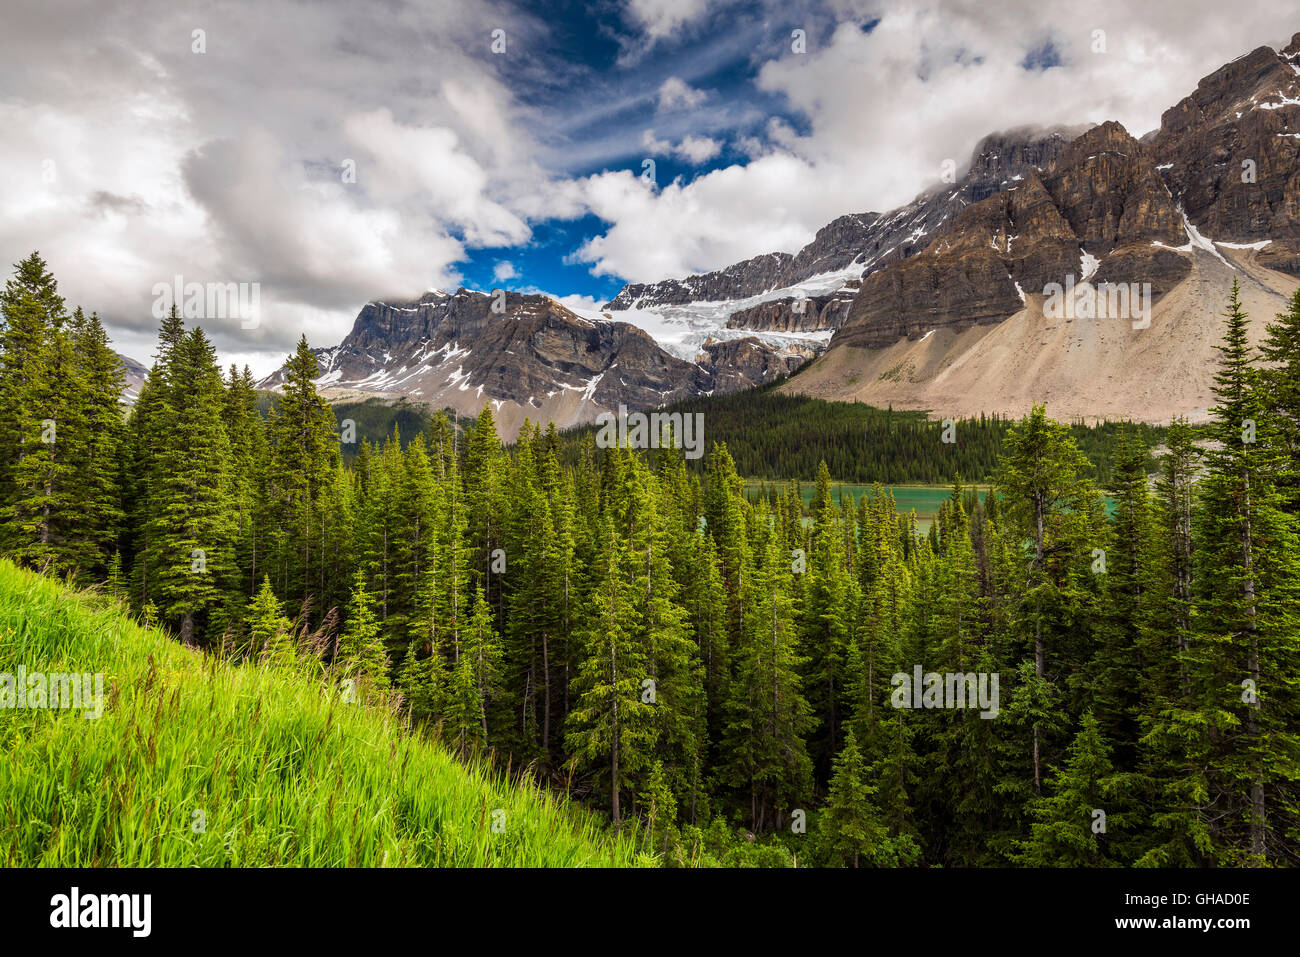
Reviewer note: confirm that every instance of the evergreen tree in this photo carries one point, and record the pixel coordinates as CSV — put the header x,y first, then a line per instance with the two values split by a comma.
x,y
361,649
850,826
610,727
1247,658
1068,830
189,525
303,446
268,628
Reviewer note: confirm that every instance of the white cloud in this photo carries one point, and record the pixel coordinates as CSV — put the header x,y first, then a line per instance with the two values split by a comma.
x,y
427,164
675,92
698,149
503,271
692,149
882,110
659,18
225,166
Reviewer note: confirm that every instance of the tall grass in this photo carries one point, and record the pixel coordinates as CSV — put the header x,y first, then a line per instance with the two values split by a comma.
x,y
197,761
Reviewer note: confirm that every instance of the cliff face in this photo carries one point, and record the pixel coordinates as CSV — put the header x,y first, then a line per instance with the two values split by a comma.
x,y
1230,154
535,357
1212,196
864,241
1099,211
793,315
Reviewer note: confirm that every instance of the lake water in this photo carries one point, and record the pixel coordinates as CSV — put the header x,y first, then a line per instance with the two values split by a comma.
x,y
924,500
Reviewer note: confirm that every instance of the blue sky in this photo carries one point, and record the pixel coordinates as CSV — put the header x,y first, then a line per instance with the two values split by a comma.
x,y
170,138
600,98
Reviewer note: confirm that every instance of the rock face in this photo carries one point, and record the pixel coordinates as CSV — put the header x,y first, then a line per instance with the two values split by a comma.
x,y
737,364
534,358
865,241
793,315
746,278
1230,154
1094,213
939,301
134,374
968,323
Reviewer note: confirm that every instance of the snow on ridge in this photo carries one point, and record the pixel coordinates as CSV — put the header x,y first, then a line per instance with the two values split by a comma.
x,y
1285,101
1088,265
681,329
1201,242
1257,245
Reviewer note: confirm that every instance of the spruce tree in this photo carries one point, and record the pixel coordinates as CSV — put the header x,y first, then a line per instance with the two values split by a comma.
x,y
850,828
1071,824
1248,578
610,727
361,648
189,526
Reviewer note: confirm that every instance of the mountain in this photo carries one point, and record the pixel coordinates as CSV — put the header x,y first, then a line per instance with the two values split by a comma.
x,y
800,300
862,242
945,304
135,374
534,359
969,324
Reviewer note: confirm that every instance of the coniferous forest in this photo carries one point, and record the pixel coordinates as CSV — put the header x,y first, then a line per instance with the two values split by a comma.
x,y
713,674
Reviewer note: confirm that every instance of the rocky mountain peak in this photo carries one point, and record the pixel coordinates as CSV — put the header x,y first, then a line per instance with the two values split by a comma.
x,y
862,243
1229,152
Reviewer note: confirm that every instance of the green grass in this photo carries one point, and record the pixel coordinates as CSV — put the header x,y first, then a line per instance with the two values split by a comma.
x,y
284,772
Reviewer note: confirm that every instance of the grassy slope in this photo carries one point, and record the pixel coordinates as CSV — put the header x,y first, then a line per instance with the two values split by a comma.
x,y
285,773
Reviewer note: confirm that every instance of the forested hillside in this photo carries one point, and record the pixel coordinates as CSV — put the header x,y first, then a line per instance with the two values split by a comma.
x,y
776,436
671,652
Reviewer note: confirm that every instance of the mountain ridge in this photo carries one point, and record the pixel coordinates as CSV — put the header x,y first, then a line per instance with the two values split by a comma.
x,y
1213,192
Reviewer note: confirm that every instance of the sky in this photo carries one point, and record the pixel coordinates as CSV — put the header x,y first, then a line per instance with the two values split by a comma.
x,y
330,153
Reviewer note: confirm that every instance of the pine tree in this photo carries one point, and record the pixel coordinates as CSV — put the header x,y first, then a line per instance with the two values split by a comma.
x,y
610,727
1067,830
1280,390
246,434
95,509
30,309
268,628
303,447
1117,666
53,431
1248,577
361,648
189,525
850,828
1047,498
768,717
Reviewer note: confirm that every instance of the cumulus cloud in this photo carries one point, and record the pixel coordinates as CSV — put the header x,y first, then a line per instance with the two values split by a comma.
x,y
503,271
692,149
335,153
659,18
328,154
675,93
879,111
698,149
